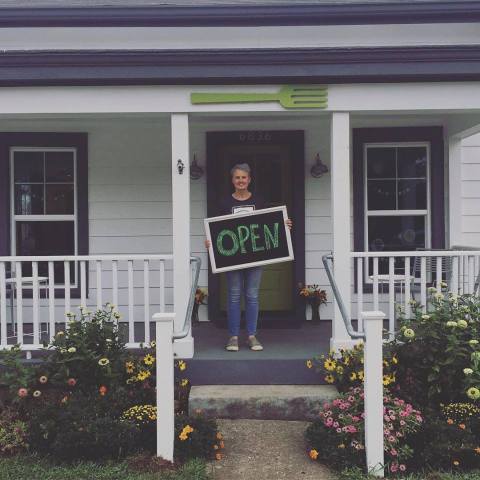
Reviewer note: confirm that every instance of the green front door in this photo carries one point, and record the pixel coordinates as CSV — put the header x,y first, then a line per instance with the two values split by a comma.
x,y
273,177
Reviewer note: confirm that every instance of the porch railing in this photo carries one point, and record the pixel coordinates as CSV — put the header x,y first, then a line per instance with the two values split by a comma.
x,y
37,293
390,281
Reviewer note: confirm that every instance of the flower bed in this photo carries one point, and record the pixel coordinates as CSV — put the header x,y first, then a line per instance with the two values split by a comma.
x,y
433,365
91,399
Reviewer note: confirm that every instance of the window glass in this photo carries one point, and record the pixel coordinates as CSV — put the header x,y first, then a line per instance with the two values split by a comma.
x,y
28,167
392,233
46,238
60,199
382,194
412,194
381,162
29,199
59,167
412,162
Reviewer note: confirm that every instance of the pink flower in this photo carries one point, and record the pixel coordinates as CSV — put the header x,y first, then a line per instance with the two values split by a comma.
x,y
394,467
351,398
339,430
336,402
419,418
22,392
392,417
392,439
386,418
399,434
403,414
393,452
402,467
336,424
71,382
355,418
326,406
402,422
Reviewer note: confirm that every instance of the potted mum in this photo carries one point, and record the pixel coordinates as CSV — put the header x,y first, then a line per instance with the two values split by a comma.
x,y
313,297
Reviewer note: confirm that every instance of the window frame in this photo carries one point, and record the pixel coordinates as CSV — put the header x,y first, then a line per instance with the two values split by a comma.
x,y
426,213
44,141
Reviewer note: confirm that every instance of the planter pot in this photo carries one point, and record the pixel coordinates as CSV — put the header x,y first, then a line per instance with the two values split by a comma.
x,y
312,312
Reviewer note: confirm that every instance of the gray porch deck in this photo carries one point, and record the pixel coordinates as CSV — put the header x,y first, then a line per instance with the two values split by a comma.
x,y
282,362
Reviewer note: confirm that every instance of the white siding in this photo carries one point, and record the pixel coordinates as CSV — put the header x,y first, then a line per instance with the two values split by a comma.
x,y
470,191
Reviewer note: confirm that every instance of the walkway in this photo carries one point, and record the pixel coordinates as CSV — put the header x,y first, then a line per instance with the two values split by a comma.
x,y
266,450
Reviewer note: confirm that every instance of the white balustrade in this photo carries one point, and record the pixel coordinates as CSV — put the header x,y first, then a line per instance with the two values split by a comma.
x,y
390,281
37,292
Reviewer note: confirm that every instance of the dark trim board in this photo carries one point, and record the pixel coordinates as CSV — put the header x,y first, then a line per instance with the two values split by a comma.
x,y
47,139
297,13
241,66
294,141
433,135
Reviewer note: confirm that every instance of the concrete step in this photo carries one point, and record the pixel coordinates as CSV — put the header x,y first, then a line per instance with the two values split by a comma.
x,y
254,370
264,402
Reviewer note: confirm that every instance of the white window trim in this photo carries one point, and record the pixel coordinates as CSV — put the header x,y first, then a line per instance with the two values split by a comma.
x,y
427,213
43,218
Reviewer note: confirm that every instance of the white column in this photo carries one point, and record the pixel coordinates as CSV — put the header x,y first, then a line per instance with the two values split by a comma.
x,y
165,385
455,185
340,187
373,388
181,227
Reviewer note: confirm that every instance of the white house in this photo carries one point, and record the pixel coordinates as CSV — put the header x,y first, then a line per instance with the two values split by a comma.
x,y
99,129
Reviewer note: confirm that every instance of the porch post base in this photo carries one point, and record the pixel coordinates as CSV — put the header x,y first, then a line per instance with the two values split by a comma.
x,y
346,343
183,348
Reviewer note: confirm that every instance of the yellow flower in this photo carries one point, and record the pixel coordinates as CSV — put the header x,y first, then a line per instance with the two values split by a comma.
x,y
148,359
450,421
143,375
313,454
129,367
385,363
394,360
456,463
184,382
346,361
183,436
182,365
360,375
103,362
342,445
353,376
477,450
329,378
386,380
309,364
330,364
219,436
340,369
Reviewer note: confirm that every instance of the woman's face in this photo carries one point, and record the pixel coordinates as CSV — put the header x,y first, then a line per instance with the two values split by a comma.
x,y
241,180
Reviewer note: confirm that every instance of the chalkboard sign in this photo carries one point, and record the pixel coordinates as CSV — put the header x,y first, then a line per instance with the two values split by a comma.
x,y
248,239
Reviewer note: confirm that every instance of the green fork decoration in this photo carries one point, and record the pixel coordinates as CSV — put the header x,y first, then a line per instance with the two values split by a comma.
x,y
299,96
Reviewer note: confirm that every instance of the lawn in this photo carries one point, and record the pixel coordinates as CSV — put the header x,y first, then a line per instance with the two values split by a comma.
x,y
34,468
356,474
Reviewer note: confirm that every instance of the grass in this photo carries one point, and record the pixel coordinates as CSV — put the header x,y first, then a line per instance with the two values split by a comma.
x,y
34,468
356,474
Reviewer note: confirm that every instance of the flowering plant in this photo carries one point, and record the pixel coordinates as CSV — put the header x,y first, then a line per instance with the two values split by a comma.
x,y
439,350
338,435
313,294
200,296
345,369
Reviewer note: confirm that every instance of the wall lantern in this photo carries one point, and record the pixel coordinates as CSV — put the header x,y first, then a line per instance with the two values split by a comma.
x,y
319,168
196,171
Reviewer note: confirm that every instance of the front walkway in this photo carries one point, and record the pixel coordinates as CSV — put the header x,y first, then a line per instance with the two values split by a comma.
x,y
266,449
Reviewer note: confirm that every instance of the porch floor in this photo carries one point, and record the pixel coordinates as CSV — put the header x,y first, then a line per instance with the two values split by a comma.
x,y
282,362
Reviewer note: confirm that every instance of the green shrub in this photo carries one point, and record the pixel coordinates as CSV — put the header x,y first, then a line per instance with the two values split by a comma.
x,y
196,436
13,433
439,351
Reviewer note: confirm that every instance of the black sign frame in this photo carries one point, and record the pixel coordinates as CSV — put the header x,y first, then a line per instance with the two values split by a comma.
x,y
237,266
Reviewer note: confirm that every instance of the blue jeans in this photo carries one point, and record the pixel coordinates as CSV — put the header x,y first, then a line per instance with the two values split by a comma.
x,y
245,281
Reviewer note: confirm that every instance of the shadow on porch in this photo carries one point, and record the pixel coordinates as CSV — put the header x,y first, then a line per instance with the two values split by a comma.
x,y
282,362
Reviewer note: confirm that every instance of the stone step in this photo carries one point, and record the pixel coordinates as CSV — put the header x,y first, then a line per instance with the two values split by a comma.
x,y
265,402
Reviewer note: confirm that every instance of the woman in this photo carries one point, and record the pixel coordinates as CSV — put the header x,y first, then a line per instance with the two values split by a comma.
x,y
247,279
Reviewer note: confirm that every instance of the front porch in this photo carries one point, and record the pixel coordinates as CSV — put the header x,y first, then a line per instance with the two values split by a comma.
x,y
145,216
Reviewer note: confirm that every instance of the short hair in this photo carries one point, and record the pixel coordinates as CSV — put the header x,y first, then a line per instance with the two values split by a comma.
x,y
244,167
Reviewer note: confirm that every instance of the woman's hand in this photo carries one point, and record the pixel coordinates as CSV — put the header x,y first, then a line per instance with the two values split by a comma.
x,y
289,223
208,243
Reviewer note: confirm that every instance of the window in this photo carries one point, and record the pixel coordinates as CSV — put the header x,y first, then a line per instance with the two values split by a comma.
x,y
46,212
398,191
